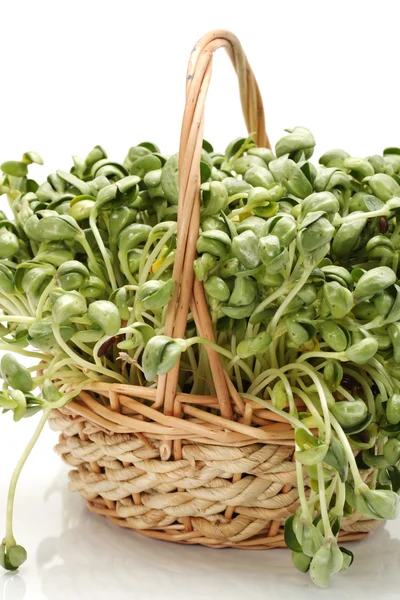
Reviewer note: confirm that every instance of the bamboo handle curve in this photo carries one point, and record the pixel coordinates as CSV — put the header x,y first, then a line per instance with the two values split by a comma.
x,y
252,106
186,293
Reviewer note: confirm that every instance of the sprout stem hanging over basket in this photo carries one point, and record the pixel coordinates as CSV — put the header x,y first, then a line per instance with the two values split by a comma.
x,y
216,336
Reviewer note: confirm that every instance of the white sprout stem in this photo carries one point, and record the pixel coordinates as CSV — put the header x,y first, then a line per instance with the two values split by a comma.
x,y
292,251
340,497
168,262
366,388
80,361
302,496
367,215
23,352
82,346
334,355
259,365
105,338
55,359
288,389
192,360
385,376
376,322
7,305
267,377
199,340
54,368
65,374
292,294
330,489
19,300
281,349
96,348
267,404
17,319
345,393
92,259
349,452
15,476
322,502
324,404
12,304
34,368
303,396
152,318
274,296
273,359
381,385
260,379
144,271
32,308
236,369
102,248
43,299
89,351
124,265
66,397
230,366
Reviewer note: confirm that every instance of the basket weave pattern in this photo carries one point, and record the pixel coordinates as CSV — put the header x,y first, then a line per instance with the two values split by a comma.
x,y
157,460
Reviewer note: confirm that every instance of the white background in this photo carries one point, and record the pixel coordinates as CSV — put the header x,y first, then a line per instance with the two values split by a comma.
x,y
76,73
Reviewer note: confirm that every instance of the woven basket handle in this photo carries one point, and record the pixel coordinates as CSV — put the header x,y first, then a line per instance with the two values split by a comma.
x,y
200,63
186,290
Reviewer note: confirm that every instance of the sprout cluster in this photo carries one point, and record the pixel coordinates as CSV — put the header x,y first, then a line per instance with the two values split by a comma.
x,y
299,263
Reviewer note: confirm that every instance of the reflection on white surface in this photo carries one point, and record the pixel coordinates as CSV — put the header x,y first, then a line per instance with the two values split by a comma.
x,y
12,586
82,556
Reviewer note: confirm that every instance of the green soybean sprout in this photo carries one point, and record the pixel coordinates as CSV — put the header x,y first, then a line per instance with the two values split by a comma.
x,y
300,267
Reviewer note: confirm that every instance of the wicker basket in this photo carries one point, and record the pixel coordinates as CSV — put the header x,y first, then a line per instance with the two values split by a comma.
x,y
161,462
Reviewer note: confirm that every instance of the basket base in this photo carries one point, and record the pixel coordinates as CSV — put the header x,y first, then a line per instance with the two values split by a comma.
x,y
262,541
215,495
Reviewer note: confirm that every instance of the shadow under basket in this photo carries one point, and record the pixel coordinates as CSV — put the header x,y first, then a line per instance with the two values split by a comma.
x,y
211,470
